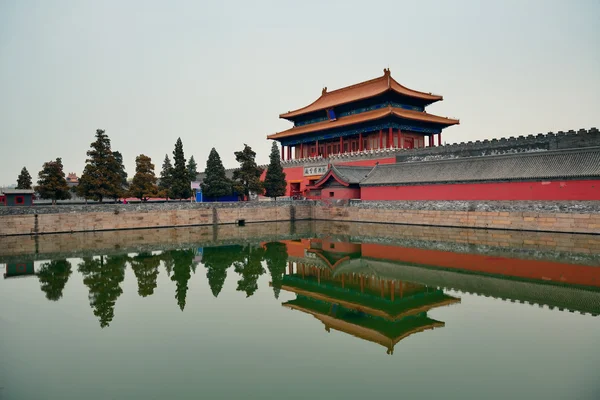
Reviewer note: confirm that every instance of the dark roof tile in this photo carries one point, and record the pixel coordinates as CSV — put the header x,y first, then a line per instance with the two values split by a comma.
x,y
574,163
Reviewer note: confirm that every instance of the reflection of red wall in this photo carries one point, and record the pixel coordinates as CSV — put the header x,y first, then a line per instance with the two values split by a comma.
x,y
297,173
548,190
530,269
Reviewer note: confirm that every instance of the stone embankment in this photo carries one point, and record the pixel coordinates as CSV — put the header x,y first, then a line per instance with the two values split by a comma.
x,y
106,217
569,217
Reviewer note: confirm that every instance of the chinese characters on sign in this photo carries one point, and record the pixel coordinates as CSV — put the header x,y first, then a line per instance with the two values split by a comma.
x,y
315,170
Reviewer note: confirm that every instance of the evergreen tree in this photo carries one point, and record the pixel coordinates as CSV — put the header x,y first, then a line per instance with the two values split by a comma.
x,y
215,183
217,261
250,268
52,183
24,179
275,183
145,267
53,277
104,282
180,178
143,184
247,177
182,272
101,176
164,183
192,169
120,170
276,257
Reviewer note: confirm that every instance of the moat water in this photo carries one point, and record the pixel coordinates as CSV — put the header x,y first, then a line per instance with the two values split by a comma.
x,y
300,312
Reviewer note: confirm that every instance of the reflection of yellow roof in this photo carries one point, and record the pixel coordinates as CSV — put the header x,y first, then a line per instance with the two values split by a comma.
x,y
370,310
362,332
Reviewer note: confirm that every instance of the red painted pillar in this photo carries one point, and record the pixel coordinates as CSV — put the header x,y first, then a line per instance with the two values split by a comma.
x,y
282,153
289,156
400,139
381,138
341,144
316,148
301,150
440,139
360,144
390,138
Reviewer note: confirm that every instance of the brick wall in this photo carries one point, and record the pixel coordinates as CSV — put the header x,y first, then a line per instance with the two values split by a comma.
x,y
90,218
573,217
531,220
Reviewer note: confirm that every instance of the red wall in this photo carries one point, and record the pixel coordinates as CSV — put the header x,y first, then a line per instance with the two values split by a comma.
x,y
340,193
546,190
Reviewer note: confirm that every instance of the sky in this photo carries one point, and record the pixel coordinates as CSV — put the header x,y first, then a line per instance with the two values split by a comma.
x,y
219,73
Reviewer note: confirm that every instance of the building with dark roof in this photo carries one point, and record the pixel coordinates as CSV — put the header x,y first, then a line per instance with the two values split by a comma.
x,y
17,197
572,174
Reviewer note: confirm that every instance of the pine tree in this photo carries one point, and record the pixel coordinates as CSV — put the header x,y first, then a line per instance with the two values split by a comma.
x,y
275,183
216,183
101,177
143,184
246,179
24,179
276,257
121,169
180,178
52,183
164,183
192,169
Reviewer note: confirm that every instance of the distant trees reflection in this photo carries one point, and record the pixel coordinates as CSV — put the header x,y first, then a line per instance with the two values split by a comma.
x,y
104,275
53,278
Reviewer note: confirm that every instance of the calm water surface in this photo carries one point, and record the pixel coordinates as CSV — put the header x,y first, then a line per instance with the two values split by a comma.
x,y
315,317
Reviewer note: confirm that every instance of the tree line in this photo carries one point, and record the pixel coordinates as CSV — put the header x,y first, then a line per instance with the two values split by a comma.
x,y
103,275
104,176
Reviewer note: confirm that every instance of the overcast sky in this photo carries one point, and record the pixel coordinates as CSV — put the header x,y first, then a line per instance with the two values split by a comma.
x,y
218,74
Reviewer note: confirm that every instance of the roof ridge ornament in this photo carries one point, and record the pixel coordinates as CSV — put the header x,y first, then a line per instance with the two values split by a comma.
x,y
324,91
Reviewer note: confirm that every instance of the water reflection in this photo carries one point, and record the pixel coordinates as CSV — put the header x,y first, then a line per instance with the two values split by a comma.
x,y
53,278
377,292
103,277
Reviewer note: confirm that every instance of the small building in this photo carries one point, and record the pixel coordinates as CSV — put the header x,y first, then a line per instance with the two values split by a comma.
x,y
18,197
339,182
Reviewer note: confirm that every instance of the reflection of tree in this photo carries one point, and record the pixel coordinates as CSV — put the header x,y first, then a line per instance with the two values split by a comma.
x,y
103,278
182,272
145,266
276,258
250,268
217,260
53,276
168,261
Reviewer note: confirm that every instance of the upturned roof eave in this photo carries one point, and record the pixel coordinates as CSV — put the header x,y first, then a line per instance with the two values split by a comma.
x,y
368,116
389,84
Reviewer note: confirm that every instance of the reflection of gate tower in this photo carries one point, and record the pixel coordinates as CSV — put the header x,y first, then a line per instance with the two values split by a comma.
x,y
359,303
